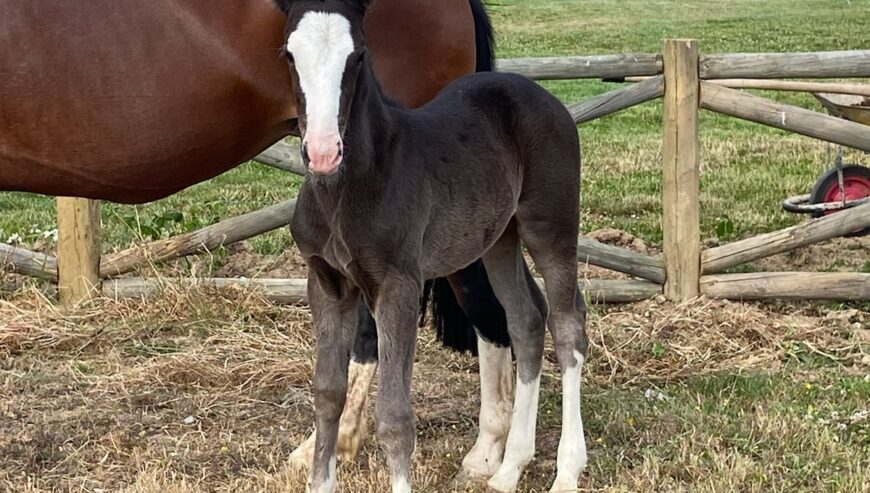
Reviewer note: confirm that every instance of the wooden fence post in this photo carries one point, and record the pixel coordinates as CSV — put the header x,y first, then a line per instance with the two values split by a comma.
x,y
681,177
78,249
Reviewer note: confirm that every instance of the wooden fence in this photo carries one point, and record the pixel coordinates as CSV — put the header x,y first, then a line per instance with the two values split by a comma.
x,y
686,80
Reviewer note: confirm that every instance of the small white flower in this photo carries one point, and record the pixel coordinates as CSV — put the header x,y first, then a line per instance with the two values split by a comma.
x,y
859,416
655,395
14,239
51,233
189,420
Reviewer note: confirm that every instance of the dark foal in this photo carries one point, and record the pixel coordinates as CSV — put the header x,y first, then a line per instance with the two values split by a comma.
x,y
396,196
467,317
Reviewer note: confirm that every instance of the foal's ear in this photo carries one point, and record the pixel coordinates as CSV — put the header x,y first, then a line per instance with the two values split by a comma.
x,y
364,5
284,5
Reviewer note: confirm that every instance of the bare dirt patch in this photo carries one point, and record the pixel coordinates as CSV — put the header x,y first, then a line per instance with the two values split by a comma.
x,y
839,254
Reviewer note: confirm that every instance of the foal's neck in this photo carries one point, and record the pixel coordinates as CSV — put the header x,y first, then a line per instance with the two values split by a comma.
x,y
369,124
370,127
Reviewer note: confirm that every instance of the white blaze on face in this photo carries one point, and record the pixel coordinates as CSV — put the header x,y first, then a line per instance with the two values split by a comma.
x,y
320,46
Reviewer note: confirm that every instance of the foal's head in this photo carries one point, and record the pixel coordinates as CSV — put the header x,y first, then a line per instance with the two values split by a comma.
x,y
326,51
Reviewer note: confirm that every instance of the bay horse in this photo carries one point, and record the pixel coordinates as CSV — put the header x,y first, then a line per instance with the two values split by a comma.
x,y
395,196
131,101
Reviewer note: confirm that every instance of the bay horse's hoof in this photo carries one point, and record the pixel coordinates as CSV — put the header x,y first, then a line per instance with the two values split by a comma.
x,y
350,443
302,458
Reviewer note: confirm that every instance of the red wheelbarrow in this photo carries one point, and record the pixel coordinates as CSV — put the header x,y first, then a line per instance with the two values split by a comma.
x,y
844,185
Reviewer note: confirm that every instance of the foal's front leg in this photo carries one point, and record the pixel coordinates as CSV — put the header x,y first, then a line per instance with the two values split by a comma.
x,y
396,311
353,426
335,317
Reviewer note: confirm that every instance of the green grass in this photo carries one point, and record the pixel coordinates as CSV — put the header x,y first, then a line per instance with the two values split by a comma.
x,y
247,188
761,432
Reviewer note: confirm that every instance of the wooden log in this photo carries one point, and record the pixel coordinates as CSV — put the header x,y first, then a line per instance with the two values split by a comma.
x,y
620,260
22,261
818,65
619,291
78,249
681,178
206,239
782,85
814,65
584,67
788,286
283,156
295,290
277,290
720,258
618,100
783,116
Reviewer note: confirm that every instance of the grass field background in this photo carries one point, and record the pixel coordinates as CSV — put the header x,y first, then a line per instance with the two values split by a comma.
x,y
709,396
748,169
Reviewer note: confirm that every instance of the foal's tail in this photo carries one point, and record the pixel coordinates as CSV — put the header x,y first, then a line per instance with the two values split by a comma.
x,y
455,326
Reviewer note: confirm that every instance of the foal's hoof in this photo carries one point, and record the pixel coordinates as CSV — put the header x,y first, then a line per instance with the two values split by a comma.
x,y
564,485
483,461
503,483
464,481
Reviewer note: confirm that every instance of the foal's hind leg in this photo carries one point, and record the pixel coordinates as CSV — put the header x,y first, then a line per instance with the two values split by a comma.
x,y
474,295
496,389
551,243
526,313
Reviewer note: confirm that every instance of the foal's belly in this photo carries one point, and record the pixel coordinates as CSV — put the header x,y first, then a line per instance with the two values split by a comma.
x,y
459,236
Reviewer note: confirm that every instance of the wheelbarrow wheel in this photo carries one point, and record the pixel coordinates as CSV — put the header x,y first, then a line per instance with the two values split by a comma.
x,y
856,185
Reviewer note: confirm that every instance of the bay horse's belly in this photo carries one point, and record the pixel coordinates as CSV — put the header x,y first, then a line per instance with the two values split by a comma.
x,y
131,100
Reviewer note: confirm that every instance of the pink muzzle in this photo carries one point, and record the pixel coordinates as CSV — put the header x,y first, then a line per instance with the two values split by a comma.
x,y
324,153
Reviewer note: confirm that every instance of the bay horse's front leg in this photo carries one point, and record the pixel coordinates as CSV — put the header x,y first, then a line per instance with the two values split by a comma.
x,y
353,425
334,309
396,311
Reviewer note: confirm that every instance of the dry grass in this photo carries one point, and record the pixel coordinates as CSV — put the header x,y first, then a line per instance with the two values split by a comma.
x,y
206,391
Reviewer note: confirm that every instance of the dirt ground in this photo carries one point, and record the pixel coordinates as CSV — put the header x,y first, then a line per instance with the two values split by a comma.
x,y
202,391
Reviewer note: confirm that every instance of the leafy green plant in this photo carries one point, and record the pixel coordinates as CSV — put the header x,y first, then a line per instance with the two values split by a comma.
x,y
724,228
155,226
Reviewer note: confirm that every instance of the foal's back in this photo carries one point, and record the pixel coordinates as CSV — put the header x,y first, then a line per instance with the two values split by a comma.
x,y
488,142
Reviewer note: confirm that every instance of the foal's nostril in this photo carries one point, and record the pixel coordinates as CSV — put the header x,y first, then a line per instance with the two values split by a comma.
x,y
305,158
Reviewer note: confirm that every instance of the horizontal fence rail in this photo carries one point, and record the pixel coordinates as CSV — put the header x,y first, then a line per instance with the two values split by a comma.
x,y
295,290
783,116
810,65
584,67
